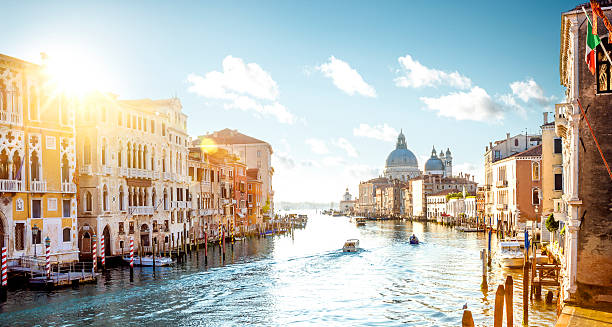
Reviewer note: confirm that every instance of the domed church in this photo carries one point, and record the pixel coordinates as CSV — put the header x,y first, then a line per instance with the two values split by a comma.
x,y
401,163
441,165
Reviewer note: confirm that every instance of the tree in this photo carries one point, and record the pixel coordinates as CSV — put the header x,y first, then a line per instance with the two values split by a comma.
x,y
551,224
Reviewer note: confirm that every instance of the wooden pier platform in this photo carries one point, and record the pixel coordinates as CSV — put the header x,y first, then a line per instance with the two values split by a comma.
x,y
573,316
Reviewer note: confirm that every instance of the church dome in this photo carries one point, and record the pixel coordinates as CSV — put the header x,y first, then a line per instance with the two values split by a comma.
x,y
401,156
434,164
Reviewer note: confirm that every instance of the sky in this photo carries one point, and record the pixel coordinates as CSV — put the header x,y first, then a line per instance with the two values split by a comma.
x,y
329,84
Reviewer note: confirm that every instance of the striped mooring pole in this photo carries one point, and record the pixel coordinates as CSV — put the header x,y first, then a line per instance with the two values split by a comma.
x,y
48,257
94,254
102,252
4,283
131,259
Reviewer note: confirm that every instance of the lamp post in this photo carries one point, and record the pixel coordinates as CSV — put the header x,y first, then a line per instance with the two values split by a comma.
x,y
35,231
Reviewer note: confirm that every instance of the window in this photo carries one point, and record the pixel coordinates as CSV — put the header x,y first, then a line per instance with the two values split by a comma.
x,y
66,234
535,171
558,148
87,152
250,198
516,142
19,236
152,126
34,167
496,155
558,182
66,208
163,129
535,196
119,119
128,121
258,154
52,204
88,201
105,198
121,228
603,70
36,208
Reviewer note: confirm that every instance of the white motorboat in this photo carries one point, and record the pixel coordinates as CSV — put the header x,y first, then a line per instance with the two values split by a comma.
x,y
510,254
148,261
351,245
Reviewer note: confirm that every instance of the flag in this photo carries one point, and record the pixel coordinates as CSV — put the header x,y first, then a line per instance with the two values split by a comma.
x,y
597,12
18,174
592,41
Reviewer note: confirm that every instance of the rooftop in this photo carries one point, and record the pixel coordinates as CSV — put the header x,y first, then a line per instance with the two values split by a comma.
x,y
230,136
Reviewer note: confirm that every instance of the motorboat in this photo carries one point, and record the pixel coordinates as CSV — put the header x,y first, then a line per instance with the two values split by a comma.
x,y
414,239
148,261
360,221
510,254
351,245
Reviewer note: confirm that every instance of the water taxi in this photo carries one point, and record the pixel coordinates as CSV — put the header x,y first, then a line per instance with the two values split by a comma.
x,y
510,254
351,245
360,221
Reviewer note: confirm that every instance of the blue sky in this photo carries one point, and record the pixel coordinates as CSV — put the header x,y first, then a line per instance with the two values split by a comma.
x,y
305,76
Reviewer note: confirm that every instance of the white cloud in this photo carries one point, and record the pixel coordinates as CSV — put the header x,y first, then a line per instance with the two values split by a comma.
x,y
417,75
473,105
382,132
346,146
474,170
283,160
346,78
528,90
242,86
317,146
363,172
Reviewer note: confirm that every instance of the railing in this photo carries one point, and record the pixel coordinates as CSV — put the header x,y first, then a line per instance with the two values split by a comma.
x,y
206,187
68,187
85,170
501,183
9,185
141,210
167,176
9,117
106,170
38,186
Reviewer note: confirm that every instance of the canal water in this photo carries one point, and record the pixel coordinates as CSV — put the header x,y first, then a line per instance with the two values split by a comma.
x,y
301,279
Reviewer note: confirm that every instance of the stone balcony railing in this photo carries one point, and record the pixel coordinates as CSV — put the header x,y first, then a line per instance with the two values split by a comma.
x,y
500,206
559,209
68,187
106,170
9,185
501,184
141,210
206,186
38,186
167,176
85,170
122,171
12,118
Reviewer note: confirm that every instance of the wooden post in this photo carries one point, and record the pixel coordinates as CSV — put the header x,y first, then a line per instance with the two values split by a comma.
x,y
509,292
205,247
153,250
483,256
498,316
467,320
526,294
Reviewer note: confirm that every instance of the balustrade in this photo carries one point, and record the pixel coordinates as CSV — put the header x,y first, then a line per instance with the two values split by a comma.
x,y
9,185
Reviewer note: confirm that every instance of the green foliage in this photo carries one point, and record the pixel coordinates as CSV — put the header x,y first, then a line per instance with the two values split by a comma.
x,y
458,195
266,207
551,224
562,232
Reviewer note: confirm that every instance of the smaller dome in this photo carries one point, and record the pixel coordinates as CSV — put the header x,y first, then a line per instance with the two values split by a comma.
x,y
434,163
448,153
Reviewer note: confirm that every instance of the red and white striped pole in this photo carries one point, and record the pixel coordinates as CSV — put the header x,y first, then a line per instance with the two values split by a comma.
x,y
48,258
3,292
4,268
94,254
102,252
131,259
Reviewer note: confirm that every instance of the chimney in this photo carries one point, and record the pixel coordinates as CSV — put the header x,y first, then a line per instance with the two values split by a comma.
x,y
545,118
507,136
491,145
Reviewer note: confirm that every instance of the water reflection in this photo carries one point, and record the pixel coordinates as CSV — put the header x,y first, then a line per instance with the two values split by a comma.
x,y
304,279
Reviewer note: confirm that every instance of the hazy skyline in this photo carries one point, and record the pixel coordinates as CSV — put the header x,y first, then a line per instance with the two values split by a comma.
x,y
328,85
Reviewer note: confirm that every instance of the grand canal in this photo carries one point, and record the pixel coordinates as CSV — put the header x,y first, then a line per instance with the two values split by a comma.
x,y
300,279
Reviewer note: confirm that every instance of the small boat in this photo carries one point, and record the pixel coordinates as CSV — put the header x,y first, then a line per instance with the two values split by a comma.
x,y
360,221
510,254
414,239
351,245
148,261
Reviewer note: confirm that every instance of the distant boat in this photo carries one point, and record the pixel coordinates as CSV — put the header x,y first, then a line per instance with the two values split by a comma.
x,y
351,245
414,239
360,221
148,261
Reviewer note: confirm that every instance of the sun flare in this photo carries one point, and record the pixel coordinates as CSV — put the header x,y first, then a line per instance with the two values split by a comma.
x,y
73,73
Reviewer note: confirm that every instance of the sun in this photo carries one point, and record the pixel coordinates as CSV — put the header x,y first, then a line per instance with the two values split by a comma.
x,y
73,73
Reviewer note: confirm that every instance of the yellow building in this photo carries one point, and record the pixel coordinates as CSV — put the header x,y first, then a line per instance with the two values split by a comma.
x,y
552,173
37,164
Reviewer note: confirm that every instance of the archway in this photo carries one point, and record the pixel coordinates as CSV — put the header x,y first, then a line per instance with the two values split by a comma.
x,y
86,243
107,241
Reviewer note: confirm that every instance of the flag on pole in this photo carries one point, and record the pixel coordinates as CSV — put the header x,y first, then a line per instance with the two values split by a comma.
x,y
592,41
597,12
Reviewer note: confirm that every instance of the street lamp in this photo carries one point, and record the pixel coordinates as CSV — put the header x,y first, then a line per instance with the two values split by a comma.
x,y
35,231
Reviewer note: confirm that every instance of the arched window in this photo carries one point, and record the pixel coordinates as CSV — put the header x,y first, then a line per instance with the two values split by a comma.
x,y
34,166
88,201
103,153
165,199
66,234
65,169
4,165
86,152
515,142
105,198
17,166
119,156
535,171
154,199
121,199
535,196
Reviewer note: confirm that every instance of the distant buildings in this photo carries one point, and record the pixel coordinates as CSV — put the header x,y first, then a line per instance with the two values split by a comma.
x,y
347,204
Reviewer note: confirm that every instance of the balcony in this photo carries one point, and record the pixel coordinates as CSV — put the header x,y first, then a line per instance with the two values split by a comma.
x,y
501,184
106,170
561,119
85,170
559,209
139,173
68,187
8,117
9,185
123,171
141,210
500,206
167,176
38,186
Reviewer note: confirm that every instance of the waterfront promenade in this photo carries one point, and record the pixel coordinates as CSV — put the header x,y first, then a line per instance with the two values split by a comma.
x,y
300,280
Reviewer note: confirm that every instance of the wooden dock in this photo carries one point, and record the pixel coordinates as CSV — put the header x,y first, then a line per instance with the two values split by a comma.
x,y
61,274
